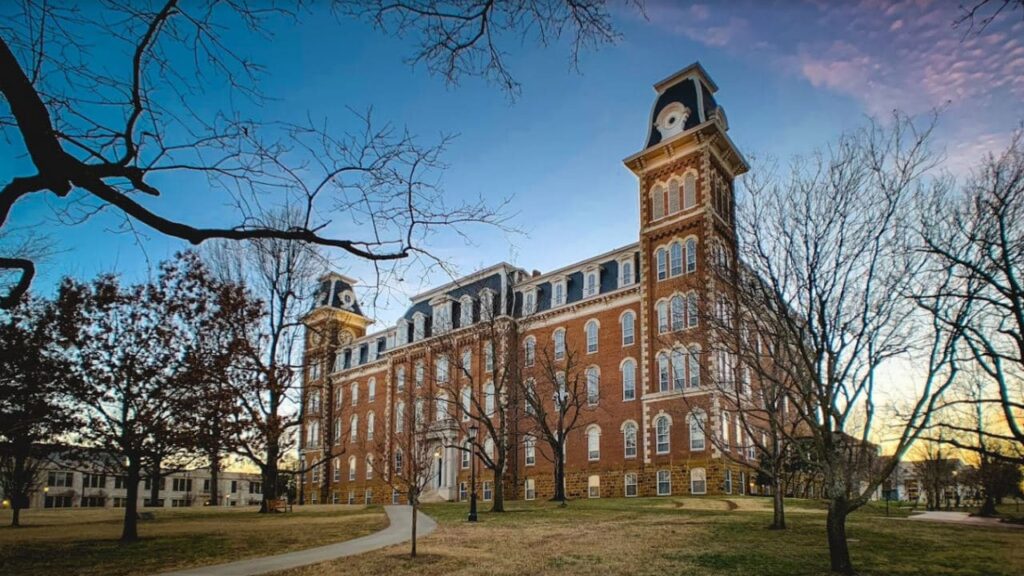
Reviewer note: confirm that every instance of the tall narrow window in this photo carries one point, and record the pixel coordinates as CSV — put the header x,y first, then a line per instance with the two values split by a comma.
x,y
675,259
664,483
657,203
529,351
489,356
630,489
725,431
697,422
689,191
629,439
591,286
467,403
661,433
418,326
628,380
593,385
663,373
371,390
441,407
489,399
418,373
628,328
400,378
591,330
678,313
369,425
627,272
559,344
529,302
678,369
419,412
465,311
727,482
398,461
399,417
558,295
694,367
662,259
355,393
354,429
593,443
691,255
662,317
351,468
530,448
369,467
673,197
441,368
692,309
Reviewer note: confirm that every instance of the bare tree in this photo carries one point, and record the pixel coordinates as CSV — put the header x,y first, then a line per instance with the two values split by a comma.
x,y
556,393
402,456
98,138
978,14
976,235
935,470
476,378
834,248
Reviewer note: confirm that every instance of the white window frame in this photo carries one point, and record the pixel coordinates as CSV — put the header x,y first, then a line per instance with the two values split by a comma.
x,y
628,324
628,379
594,486
662,445
592,332
703,480
593,434
630,481
664,477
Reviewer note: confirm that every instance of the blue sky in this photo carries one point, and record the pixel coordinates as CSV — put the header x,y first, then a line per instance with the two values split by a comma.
x,y
791,75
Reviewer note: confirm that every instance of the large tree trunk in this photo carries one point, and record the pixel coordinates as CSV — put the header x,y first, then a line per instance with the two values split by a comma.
x,y
988,506
559,477
269,473
130,530
499,494
838,547
15,514
415,510
154,482
214,479
19,497
778,505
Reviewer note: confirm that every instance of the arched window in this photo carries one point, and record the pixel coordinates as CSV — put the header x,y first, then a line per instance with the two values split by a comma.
x,y
489,399
694,366
558,296
691,255
400,378
593,385
591,330
559,337
529,351
489,448
400,416
725,431
662,259
673,197
657,203
591,286
441,368
661,435
692,312
689,191
628,328
697,421
678,369
678,312
418,373
354,393
419,412
698,481
369,425
675,259
467,362
663,373
467,453
627,272
530,449
629,439
465,311
662,317
593,442
371,390
351,468
441,407
530,397
467,403
628,380
369,466
353,431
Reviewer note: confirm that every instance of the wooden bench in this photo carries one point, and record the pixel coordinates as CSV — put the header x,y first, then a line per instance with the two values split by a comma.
x,y
280,505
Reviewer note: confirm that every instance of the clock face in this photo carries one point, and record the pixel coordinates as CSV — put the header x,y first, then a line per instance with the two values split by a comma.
x,y
315,337
345,337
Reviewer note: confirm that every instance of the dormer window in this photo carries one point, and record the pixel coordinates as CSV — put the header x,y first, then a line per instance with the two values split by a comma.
x,y
626,271
402,332
558,291
371,354
419,330
465,311
591,281
442,317
486,304
529,301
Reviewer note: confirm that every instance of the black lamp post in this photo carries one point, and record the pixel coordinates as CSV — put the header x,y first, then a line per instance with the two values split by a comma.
x,y
473,429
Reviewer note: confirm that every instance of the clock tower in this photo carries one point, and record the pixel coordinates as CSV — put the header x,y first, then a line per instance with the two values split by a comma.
x,y
335,320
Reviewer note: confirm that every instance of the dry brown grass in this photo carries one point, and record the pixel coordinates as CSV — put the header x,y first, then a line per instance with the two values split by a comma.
x,y
85,541
656,536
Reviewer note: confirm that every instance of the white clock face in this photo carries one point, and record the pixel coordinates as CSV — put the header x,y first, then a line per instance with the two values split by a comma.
x,y
347,298
672,119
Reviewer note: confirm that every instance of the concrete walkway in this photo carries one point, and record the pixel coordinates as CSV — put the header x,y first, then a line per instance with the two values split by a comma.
x,y
396,533
962,518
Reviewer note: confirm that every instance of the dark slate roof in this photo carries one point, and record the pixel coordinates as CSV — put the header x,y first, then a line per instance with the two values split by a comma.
x,y
609,282
492,281
686,93
337,292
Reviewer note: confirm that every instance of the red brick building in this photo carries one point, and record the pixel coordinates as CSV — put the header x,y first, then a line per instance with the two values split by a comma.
x,y
629,321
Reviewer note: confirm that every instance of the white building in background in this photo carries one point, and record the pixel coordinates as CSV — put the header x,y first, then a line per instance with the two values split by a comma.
x,y
67,485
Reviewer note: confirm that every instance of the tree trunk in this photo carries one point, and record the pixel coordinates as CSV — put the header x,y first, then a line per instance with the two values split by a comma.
x,y
20,494
988,507
415,509
269,473
778,506
838,547
15,514
130,531
559,477
499,495
214,479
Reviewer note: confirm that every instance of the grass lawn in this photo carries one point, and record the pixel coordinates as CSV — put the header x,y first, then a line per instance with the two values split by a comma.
x,y
84,541
692,536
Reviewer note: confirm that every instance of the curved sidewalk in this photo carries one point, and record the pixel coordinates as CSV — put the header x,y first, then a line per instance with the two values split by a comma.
x,y
396,533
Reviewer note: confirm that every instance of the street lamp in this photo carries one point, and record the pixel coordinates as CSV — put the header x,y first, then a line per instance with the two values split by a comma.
x,y
473,429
